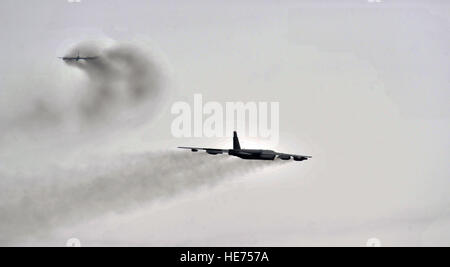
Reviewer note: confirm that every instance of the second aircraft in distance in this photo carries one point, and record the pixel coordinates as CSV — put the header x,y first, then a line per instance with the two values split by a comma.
x,y
77,58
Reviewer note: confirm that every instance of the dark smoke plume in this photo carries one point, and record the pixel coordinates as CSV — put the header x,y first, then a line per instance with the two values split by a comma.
x,y
123,79
125,85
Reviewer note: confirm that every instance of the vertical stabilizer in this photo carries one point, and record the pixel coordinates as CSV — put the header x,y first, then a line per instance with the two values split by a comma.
x,y
236,144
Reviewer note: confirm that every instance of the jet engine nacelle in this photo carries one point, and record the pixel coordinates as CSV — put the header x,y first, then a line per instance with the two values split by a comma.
x,y
300,158
285,157
213,152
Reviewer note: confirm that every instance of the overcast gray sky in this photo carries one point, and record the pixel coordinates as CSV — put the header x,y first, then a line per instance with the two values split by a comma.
x,y
363,87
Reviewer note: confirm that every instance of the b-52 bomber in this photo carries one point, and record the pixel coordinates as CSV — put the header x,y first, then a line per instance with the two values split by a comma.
x,y
255,154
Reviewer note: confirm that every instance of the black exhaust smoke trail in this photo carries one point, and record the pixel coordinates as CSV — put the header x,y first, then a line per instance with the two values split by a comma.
x,y
67,196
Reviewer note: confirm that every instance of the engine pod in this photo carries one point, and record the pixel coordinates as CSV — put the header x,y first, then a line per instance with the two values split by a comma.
x,y
285,157
214,151
300,158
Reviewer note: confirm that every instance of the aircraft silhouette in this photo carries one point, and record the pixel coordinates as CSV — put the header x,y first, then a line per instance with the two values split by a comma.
x,y
77,58
258,154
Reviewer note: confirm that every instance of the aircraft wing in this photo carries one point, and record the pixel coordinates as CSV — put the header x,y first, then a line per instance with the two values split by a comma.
x,y
212,151
88,58
295,157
